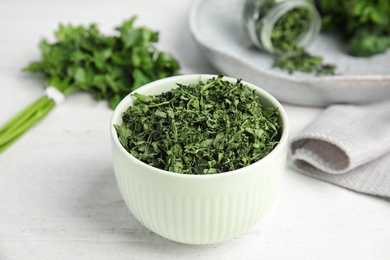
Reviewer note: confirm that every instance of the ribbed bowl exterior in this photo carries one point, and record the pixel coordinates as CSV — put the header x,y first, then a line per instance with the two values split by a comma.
x,y
202,211
197,209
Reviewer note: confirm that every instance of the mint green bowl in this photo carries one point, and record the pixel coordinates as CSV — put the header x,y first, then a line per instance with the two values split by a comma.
x,y
198,209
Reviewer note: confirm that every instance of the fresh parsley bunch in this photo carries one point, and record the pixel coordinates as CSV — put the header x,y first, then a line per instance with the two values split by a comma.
x,y
83,59
365,24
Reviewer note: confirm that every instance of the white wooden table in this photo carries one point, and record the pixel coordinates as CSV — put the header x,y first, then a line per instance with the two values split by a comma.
x,y
58,195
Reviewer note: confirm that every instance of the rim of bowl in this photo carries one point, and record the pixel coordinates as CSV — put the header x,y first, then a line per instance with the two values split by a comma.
x,y
195,78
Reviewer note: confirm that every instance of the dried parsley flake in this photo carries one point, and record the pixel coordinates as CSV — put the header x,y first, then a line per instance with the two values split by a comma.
x,y
203,128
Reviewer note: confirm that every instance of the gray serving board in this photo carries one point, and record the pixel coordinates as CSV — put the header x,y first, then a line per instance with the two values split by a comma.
x,y
216,26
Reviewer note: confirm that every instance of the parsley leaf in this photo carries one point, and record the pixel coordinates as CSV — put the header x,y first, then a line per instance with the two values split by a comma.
x,y
107,66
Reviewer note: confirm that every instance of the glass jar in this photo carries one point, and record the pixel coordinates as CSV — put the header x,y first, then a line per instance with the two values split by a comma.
x,y
260,17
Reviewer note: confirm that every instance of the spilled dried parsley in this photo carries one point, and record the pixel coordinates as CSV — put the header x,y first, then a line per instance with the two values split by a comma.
x,y
292,56
206,128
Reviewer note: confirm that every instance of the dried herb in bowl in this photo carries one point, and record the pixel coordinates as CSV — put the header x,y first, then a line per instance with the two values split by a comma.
x,y
205,128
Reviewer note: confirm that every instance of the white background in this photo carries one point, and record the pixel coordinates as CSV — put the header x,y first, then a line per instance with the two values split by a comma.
x,y
58,195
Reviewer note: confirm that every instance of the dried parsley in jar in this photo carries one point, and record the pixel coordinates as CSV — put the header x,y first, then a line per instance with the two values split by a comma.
x,y
260,17
205,128
285,28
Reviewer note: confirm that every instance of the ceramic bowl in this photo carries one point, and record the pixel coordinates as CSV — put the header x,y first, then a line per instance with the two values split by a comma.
x,y
197,209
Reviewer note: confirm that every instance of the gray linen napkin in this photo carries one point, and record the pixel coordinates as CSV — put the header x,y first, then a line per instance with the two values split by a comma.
x,y
347,145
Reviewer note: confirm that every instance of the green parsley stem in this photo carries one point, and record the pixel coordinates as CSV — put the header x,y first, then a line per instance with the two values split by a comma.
x,y
20,117
161,104
24,120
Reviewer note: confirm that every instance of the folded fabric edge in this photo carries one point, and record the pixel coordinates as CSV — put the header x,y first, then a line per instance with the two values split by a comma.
x,y
321,153
353,181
